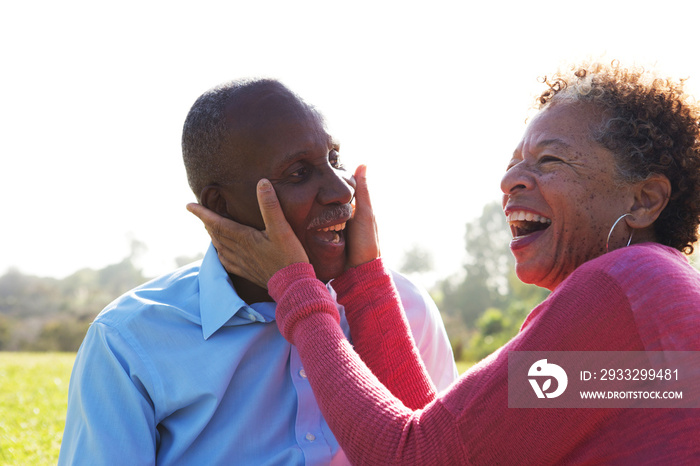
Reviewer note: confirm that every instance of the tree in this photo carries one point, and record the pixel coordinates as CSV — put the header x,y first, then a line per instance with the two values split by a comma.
x,y
417,260
5,333
60,335
489,261
48,314
488,299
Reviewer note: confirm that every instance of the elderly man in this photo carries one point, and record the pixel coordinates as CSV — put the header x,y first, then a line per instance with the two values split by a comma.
x,y
190,368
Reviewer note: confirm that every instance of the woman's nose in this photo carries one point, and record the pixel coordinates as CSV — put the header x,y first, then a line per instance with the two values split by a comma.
x,y
516,178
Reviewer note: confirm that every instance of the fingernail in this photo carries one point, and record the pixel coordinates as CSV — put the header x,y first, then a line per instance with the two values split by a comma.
x,y
264,185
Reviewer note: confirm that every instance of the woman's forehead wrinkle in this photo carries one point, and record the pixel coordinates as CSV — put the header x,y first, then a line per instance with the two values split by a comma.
x,y
553,143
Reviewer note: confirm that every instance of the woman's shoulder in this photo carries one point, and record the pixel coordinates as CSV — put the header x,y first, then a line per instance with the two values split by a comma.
x,y
645,261
662,289
648,273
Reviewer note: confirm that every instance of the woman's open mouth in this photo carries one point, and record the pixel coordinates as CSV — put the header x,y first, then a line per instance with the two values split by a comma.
x,y
524,223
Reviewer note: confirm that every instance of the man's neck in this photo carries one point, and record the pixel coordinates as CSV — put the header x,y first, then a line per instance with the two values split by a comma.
x,y
249,291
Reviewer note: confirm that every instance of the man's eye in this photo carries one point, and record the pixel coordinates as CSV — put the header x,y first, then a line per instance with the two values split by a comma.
x,y
334,159
549,158
299,173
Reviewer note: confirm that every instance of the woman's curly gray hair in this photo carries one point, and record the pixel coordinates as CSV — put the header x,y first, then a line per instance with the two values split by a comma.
x,y
652,126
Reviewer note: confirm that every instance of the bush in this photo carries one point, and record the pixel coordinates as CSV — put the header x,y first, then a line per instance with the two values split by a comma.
x,y
60,335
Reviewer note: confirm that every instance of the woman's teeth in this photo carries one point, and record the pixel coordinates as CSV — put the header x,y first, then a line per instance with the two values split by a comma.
x,y
523,223
522,216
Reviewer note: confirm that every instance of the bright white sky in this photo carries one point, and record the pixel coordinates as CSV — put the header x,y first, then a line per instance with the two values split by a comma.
x,y
431,95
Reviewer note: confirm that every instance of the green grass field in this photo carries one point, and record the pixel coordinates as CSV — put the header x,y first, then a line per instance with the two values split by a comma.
x,y
33,393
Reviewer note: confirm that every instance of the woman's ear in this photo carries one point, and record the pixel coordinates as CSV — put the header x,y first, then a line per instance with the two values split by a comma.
x,y
212,198
650,198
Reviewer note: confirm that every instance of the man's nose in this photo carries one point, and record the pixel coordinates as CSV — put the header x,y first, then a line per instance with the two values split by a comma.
x,y
337,187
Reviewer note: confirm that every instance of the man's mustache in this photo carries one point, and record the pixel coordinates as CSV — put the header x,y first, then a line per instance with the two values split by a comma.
x,y
338,214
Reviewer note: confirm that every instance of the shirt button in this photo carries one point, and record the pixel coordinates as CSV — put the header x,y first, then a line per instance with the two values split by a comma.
x,y
251,317
310,437
302,374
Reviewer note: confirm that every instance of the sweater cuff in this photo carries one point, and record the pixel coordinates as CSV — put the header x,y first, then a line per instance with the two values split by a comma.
x,y
298,295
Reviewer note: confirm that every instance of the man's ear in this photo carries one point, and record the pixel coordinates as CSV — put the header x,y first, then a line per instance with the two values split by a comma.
x,y
212,198
650,198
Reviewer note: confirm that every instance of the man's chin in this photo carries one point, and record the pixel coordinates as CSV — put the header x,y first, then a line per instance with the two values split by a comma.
x,y
327,272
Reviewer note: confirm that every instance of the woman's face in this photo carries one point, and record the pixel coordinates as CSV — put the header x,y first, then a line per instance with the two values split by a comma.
x,y
562,195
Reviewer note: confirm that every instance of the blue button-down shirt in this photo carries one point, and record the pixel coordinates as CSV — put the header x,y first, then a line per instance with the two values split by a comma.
x,y
182,371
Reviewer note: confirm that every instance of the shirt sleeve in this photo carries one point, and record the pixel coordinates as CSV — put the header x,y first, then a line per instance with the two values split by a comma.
x,y
110,416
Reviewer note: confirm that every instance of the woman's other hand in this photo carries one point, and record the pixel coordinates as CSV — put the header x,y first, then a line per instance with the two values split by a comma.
x,y
249,253
363,238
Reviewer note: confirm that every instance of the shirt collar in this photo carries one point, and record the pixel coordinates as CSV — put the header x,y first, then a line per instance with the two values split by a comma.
x,y
219,303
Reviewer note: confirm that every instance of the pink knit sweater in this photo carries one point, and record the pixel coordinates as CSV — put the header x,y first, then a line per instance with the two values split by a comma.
x,y
643,297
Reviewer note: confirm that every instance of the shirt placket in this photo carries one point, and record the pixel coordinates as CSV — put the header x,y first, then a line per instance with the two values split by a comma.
x,y
308,431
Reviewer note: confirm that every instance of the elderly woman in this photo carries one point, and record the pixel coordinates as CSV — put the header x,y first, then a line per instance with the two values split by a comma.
x,y
603,199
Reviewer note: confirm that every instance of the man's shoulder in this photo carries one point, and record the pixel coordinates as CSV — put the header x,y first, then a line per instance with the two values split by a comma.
x,y
406,287
416,301
174,289
428,330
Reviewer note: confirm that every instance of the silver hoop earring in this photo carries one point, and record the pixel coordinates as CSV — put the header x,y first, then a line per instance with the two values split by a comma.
x,y
629,241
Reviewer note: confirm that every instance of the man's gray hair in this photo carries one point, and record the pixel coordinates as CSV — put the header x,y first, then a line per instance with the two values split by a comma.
x,y
205,132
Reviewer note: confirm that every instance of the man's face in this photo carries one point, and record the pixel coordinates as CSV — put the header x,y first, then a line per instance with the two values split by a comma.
x,y
291,148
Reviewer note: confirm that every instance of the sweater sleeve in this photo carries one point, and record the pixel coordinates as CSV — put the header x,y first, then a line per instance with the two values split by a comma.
x,y
381,334
373,308
471,422
359,409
